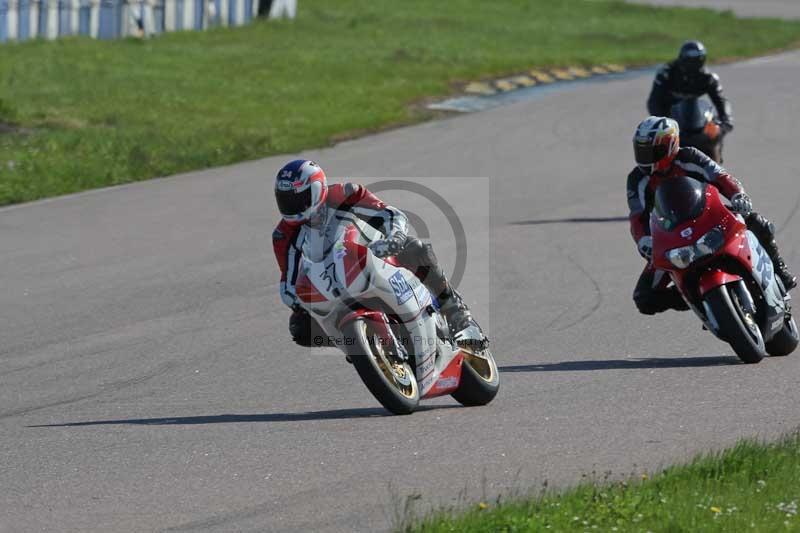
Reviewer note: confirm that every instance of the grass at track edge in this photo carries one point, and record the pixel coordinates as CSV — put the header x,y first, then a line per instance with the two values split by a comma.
x,y
77,114
754,486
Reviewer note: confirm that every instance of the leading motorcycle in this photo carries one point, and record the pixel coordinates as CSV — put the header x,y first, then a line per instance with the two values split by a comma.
x,y
721,270
699,126
388,324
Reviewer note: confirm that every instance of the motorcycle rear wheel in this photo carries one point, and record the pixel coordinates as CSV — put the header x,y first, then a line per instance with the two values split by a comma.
x,y
480,380
390,380
785,341
737,326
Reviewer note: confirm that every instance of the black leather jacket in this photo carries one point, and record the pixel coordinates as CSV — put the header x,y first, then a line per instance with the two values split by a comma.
x,y
672,85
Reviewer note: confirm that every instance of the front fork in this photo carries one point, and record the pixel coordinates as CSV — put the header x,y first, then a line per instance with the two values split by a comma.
x,y
745,300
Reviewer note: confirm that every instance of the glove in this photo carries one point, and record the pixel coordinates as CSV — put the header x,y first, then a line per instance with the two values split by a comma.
x,y
726,127
392,245
645,246
741,203
300,327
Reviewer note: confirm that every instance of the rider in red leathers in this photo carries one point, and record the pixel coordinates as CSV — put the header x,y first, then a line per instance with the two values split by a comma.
x,y
307,203
659,157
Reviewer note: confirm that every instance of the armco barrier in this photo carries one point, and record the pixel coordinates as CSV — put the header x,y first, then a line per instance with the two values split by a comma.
x,y
109,19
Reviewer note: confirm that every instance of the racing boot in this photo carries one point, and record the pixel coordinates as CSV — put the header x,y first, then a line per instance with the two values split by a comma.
x,y
463,327
789,280
674,300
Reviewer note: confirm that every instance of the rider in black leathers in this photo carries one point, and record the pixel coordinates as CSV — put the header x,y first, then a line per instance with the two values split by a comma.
x,y
688,77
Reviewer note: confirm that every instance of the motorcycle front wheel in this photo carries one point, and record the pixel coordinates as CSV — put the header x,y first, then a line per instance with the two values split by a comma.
x,y
737,325
390,380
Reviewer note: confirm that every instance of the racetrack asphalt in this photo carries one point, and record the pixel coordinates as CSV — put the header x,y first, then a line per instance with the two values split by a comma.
x,y
147,381
742,8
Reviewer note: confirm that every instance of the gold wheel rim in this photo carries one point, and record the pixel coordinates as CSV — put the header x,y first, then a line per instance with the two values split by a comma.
x,y
482,364
390,369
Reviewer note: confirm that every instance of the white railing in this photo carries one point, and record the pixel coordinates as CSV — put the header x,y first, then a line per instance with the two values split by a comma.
x,y
108,19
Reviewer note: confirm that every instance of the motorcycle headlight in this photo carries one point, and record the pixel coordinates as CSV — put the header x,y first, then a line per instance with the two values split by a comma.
x,y
710,242
682,257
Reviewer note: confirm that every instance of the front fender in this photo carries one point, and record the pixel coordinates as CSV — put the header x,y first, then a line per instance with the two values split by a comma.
x,y
714,278
369,314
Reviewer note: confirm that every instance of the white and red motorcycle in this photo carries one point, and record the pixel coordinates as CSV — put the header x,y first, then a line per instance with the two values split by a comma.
x,y
388,324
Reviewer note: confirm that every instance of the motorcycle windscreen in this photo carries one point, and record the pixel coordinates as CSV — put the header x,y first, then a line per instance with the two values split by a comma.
x,y
679,200
691,114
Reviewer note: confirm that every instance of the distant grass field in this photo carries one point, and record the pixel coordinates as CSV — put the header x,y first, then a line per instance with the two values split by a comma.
x,y
752,487
87,114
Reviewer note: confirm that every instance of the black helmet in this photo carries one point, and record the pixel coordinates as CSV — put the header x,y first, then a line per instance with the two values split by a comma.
x,y
692,56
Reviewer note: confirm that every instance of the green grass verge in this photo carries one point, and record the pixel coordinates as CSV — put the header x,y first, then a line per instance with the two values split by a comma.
x,y
752,487
92,114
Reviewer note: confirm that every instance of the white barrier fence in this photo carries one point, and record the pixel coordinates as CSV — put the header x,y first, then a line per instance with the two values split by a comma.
x,y
109,19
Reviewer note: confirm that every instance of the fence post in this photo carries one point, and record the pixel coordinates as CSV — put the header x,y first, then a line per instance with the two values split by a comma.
x,y
12,19
52,17
33,19
280,8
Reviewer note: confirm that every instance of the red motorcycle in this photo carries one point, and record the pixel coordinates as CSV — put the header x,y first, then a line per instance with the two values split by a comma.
x,y
721,270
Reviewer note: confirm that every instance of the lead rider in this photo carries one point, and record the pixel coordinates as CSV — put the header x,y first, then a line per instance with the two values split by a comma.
x,y
308,204
656,146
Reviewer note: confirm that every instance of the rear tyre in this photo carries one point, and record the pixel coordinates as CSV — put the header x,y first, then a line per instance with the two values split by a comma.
x,y
480,380
737,325
785,341
388,378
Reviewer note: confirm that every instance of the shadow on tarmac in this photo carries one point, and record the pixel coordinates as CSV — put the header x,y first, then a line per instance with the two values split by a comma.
x,y
580,220
335,414
623,364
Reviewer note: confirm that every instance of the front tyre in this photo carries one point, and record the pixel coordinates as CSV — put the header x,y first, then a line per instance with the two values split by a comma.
x,y
387,377
480,379
737,324
785,341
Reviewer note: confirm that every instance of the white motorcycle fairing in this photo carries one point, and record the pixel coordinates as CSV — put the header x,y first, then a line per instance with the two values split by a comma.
x,y
339,275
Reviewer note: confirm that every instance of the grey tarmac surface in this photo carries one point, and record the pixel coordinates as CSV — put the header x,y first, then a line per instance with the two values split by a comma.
x,y
744,8
147,381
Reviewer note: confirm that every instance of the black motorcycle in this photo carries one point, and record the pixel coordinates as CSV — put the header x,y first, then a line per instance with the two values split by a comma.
x,y
700,126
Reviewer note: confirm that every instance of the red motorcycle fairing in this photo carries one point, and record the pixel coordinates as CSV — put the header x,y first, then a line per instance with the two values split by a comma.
x,y
735,249
714,278
449,379
307,292
355,257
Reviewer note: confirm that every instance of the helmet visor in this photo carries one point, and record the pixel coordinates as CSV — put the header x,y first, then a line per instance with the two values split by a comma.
x,y
647,154
291,203
692,63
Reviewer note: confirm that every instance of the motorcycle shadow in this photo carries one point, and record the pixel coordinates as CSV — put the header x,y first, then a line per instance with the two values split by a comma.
x,y
624,364
572,220
334,414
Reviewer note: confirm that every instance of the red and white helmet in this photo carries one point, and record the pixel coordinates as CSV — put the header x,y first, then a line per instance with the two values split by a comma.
x,y
656,143
300,190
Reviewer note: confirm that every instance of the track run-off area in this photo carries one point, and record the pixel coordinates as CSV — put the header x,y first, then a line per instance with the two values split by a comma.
x,y
148,381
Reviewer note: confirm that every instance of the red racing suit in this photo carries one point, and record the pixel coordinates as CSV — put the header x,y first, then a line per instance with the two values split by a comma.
x,y
287,239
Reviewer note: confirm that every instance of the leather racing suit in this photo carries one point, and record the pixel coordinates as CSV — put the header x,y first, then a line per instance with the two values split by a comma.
x,y
413,254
